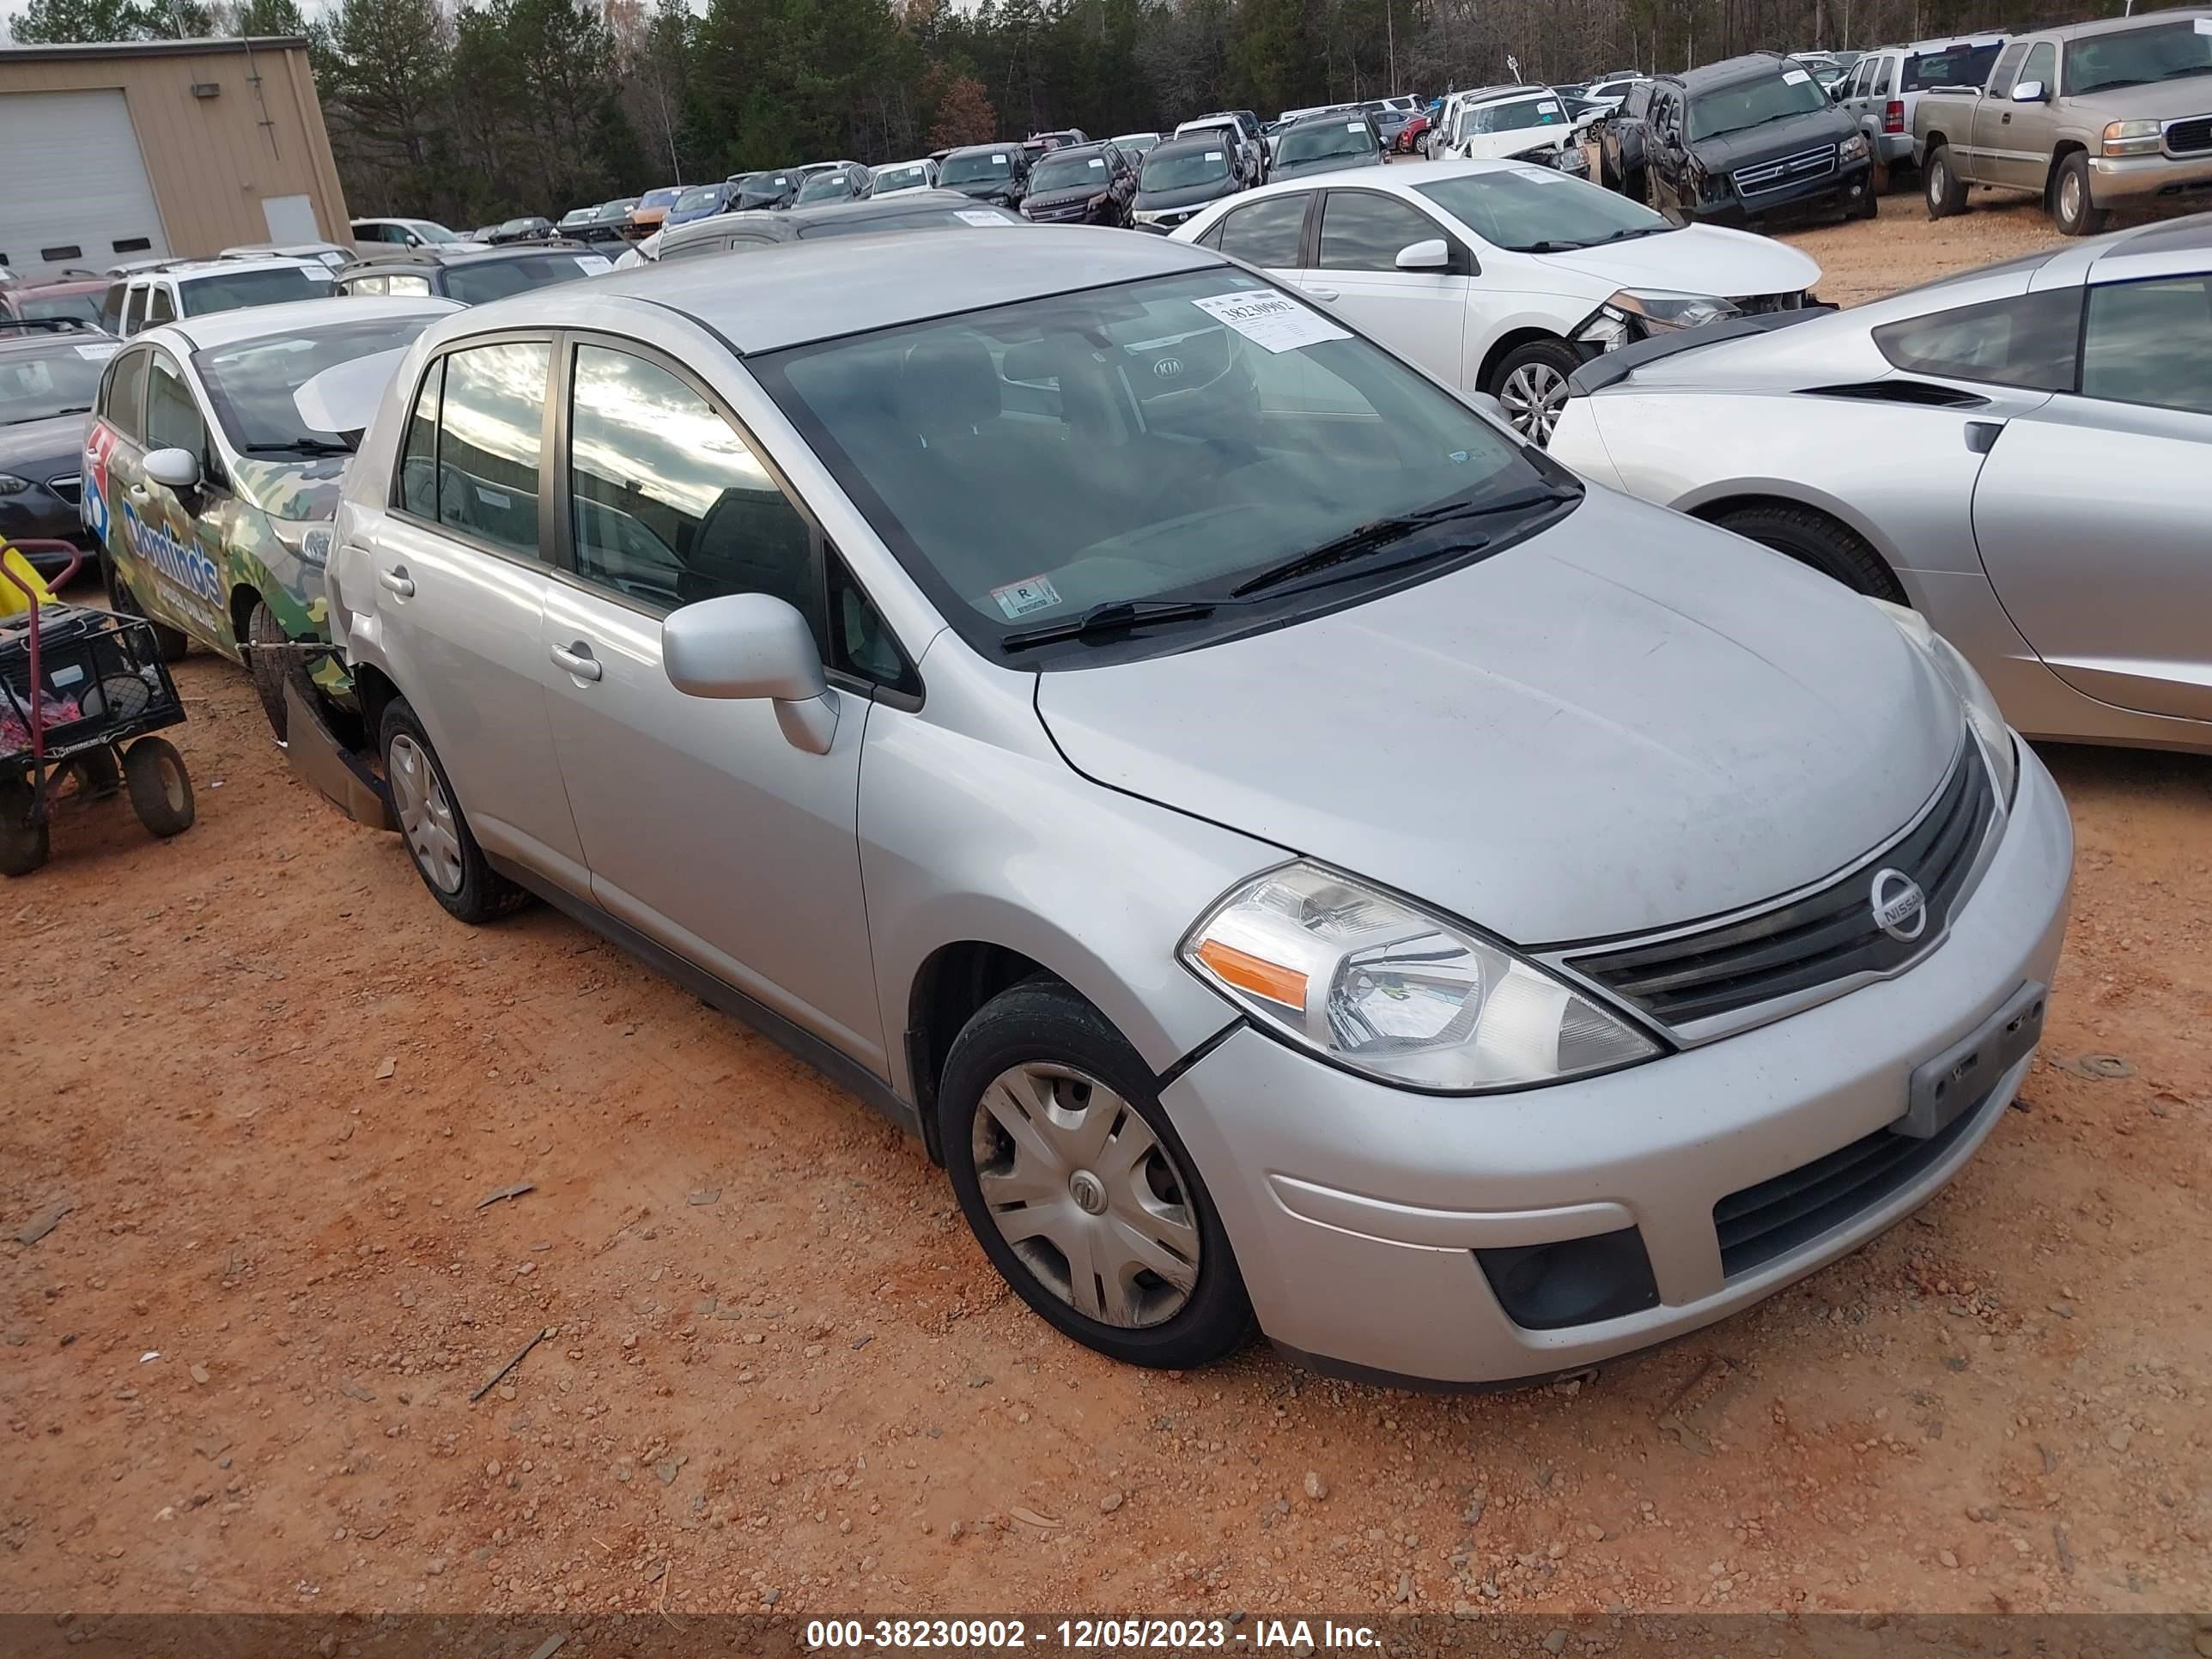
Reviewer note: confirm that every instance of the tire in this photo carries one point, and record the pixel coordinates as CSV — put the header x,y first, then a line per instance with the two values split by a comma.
x,y
273,670
440,843
2073,209
22,844
160,789
1940,186
1531,382
1040,1057
99,773
1868,205
1819,542
170,644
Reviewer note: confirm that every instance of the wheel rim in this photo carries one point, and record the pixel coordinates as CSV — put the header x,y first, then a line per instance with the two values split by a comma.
x,y
172,773
1086,1195
426,817
1939,185
1534,395
2069,198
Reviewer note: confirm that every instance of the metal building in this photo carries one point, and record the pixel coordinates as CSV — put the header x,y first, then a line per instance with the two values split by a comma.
x,y
146,148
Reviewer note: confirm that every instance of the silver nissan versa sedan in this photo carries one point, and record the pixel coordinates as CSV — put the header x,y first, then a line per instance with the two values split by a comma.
x,y
1293,852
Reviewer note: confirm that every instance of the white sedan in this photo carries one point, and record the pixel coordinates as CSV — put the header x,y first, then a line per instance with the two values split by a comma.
x,y
1499,276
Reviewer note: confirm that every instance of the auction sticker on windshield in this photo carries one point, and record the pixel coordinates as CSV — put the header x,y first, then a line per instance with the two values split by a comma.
x,y
1270,321
979,217
1019,599
1794,77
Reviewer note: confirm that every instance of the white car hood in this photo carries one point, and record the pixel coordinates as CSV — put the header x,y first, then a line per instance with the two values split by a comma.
x,y
1697,259
1522,141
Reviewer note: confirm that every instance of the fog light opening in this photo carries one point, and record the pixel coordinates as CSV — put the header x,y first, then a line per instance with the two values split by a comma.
x,y
1573,1281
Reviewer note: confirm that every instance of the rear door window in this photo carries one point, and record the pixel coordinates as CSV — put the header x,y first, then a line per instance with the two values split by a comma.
x,y
125,406
1269,232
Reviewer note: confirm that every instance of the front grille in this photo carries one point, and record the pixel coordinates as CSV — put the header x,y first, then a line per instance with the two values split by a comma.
x,y
1825,937
1777,1216
1759,305
2190,137
1070,210
68,486
1789,170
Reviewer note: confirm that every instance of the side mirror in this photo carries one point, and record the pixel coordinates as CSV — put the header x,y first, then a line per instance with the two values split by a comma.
x,y
2028,92
748,646
173,469
1431,255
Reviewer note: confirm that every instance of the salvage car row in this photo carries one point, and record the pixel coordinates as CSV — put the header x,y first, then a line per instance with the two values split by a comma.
x,y
1714,946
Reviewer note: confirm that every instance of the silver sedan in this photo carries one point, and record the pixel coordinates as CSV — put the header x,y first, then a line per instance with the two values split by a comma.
x,y
2022,454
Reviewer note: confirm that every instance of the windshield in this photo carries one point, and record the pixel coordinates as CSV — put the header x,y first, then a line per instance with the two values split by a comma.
x,y
36,387
1952,66
979,167
1755,103
83,307
916,218
250,384
1321,139
481,282
1183,169
1511,117
617,209
1136,144
831,187
1536,210
1165,438
2135,58
1068,171
202,296
890,179
695,201
660,198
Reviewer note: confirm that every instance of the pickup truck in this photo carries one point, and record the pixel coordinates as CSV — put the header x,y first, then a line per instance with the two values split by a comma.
x,y
2089,118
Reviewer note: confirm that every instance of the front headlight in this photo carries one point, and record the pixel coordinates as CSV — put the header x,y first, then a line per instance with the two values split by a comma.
x,y
12,485
1396,994
311,542
1982,713
1636,314
1853,149
2132,137
1147,217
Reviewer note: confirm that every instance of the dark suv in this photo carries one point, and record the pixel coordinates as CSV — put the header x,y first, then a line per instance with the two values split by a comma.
x,y
1742,141
998,173
1081,184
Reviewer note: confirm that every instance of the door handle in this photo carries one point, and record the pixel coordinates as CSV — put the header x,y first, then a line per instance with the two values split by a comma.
x,y
1320,292
398,580
1982,435
578,659
2007,119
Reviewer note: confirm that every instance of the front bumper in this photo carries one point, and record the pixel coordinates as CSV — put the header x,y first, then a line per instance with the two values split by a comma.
x,y
2137,178
1831,192
41,513
325,763
1355,1210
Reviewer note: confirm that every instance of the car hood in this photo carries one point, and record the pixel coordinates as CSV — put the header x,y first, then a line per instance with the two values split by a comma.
x,y
1696,259
1166,201
988,190
1053,198
2161,100
294,491
1628,721
1522,141
37,450
1373,158
1731,150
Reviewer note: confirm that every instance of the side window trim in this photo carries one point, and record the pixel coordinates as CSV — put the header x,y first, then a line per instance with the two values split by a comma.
x,y
396,504
821,550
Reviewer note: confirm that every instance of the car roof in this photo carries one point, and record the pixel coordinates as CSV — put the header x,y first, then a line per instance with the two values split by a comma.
x,y
256,322
2163,243
794,220
1510,94
433,259
1186,146
1729,70
187,270
1096,147
801,292
1401,178
969,149
2122,25
1325,118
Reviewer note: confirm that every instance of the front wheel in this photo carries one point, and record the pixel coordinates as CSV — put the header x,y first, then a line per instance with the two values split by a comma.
x,y
160,789
1078,1187
2070,203
1869,204
1816,540
1531,382
273,663
22,843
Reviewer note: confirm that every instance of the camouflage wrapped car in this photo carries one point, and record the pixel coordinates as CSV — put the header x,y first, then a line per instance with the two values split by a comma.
x,y
210,479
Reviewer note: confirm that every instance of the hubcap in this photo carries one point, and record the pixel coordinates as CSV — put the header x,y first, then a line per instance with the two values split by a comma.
x,y
426,817
2069,196
1534,395
1086,1195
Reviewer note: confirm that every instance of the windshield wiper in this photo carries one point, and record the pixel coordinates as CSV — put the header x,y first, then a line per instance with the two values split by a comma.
x,y
300,446
1383,532
1115,617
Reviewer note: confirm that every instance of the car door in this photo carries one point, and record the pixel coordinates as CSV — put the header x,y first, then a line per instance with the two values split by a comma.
x,y
1419,314
1993,115
460,590
2092,512
1663,159
176,534
705,829
2029,131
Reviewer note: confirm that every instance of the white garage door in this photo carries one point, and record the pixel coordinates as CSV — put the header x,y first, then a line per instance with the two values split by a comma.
x,y
73,189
